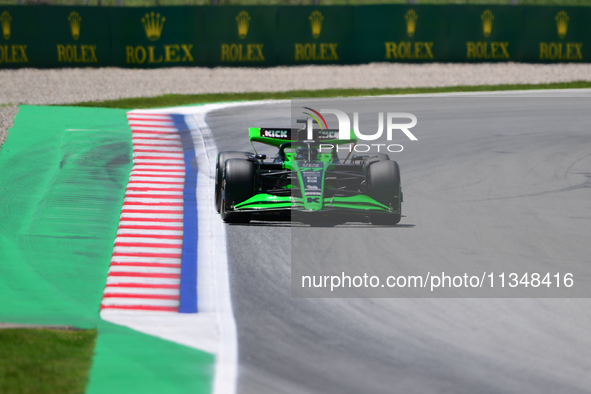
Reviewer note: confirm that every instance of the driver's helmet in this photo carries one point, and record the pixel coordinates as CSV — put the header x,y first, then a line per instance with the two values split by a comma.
x,y
302,153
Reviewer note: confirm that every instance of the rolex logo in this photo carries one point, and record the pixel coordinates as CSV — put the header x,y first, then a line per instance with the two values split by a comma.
x,y
75,19
487,22
411,22
243,21
153,25
6,18
316,19
561,23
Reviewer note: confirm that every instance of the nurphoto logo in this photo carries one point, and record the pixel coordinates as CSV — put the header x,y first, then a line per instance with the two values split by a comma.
x,y
344,130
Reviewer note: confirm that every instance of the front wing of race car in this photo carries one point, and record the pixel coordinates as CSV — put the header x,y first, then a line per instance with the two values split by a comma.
x,y
268,202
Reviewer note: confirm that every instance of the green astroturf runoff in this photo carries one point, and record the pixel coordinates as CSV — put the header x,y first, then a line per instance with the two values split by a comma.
x,y
63,172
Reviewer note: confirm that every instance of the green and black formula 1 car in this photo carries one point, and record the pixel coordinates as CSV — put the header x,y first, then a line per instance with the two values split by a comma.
x,y
306,179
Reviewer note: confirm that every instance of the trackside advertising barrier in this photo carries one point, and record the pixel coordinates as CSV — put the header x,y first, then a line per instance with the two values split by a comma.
x,y
63,36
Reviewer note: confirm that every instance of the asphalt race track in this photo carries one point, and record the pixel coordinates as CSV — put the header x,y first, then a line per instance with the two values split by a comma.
x,y
472,195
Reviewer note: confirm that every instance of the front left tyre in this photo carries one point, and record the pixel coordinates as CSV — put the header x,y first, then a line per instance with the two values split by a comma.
x,y
238,185
219,170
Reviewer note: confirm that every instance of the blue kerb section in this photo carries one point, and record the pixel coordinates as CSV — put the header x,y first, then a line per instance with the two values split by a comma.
x,y
188,301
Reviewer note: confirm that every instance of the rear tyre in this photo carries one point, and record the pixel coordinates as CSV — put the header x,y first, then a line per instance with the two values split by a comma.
x,y
383,179
238,185
219,170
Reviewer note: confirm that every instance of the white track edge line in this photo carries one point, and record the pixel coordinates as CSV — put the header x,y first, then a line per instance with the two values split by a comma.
x,y
215,254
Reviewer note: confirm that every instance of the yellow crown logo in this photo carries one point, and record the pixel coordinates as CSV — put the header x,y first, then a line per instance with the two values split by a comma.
x,y
316,19
153,25
411,22
243,21
487,22
561,23
6,18
75,19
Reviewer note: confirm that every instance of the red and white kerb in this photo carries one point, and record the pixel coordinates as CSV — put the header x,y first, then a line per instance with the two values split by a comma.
x,y
146,264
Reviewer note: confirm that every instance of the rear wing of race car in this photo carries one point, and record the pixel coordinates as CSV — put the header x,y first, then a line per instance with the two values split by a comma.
x,y
278,136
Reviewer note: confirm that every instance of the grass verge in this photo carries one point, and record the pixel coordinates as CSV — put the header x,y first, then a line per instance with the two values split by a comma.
x,y
45,361
173,100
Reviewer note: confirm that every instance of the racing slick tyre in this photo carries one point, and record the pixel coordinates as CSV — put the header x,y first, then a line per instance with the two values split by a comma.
x,y
238,185
383,179
219,170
